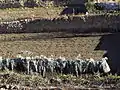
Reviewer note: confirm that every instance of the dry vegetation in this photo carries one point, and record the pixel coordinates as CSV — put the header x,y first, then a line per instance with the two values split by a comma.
x,y
35,82
41,12
18,13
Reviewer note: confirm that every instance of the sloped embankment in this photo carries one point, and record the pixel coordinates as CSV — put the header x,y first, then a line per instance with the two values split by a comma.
x,y
81,24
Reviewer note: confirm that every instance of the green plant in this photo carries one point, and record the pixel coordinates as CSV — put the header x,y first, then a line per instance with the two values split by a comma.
x,y
90,7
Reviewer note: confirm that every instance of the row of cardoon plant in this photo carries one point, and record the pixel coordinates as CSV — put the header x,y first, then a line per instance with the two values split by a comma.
x,y
43,65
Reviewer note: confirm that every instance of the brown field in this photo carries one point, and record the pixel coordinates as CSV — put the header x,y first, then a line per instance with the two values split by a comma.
x,y
18,13
49,44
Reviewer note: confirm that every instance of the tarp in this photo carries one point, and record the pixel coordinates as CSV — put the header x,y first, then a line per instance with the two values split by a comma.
x,y
107,6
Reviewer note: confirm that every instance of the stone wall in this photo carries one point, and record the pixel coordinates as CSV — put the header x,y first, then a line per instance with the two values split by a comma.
x,y
83,24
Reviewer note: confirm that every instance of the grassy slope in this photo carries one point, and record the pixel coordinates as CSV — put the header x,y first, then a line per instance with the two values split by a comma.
x,y
40,12
17,13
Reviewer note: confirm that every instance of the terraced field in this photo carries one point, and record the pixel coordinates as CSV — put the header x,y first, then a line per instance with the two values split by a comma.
x,y
57,44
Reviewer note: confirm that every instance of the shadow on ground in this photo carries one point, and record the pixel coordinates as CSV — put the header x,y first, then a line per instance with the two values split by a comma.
x,y
74,9
111,44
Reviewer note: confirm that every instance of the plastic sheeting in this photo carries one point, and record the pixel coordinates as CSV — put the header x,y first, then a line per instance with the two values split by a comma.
x,y
44,65
107,6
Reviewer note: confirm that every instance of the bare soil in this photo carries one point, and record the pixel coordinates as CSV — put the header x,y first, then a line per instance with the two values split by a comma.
x,y
57,44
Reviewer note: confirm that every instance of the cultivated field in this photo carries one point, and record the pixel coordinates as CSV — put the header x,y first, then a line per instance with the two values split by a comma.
x,y
57,44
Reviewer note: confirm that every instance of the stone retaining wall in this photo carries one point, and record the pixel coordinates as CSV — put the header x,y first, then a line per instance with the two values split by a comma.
x,y
83,24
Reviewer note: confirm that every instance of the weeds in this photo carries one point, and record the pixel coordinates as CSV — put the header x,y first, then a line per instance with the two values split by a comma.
x,y
88,81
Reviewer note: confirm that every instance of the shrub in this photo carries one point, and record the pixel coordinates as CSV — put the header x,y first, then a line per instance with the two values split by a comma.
x,y
30,3
9,4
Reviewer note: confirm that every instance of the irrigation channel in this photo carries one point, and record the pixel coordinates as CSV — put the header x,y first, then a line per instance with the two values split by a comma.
x,y
43,65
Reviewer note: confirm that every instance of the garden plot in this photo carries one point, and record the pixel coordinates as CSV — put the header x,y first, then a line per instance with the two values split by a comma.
x,y
41,44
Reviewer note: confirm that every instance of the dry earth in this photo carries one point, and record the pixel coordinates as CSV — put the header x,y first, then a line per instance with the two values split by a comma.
x,y
57,44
